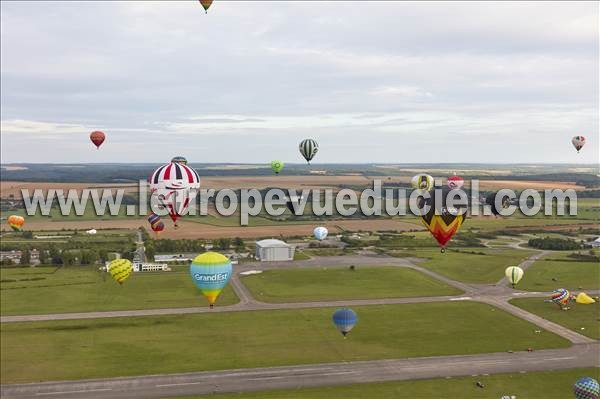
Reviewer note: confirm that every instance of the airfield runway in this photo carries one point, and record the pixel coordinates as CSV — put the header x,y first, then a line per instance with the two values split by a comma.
x,y
585,351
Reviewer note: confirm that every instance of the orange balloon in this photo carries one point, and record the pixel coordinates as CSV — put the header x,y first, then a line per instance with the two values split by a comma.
x,y
16,222
97,138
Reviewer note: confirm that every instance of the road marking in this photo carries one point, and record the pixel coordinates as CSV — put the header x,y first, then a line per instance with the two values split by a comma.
x,y
67,392
180,384
462,298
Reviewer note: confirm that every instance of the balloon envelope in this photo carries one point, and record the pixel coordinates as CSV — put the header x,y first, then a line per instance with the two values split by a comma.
x,y
179,159
16,222
578,142
211,272
441,221
320,233
308,149
503,203
584,299
561,296
276,166
120,269
586,388
422,182
175,185
514,274
344,320
206,4
97,138
455,182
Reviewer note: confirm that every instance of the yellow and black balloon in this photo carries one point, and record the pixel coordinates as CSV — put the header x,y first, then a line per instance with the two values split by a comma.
x,y
120,269
206,5
442,222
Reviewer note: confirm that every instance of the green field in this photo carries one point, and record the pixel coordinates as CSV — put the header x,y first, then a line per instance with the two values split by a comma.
x,y
472,268
568,274
578,317
97,348
84,289
535,385
338,283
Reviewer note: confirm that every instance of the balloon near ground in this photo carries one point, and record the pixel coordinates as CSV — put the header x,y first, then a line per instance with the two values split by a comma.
x,y
120,269
561,297
175,186
276,166
441,221
320,233
422,182
578,142
16,222
584,299
308,149
514,274
211,272
97,137
344,320
586,388
455,182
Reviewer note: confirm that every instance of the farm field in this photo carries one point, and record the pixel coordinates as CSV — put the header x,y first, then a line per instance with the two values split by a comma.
x,y
535,385
95,348
338,283
578,317
84,289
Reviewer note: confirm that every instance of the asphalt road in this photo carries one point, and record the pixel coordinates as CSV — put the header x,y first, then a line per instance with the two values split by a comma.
x,y
292,377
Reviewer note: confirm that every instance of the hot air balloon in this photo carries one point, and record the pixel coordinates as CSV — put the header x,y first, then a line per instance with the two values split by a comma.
x,y
455,182
276,166
206,5
155,223
211,272
120,269
175,185
584,299
97,138
344,320
422,182
308,149
561,297
441,221
578,142
490,200
180,160
514,274
290,201
586,388
320,233
16,222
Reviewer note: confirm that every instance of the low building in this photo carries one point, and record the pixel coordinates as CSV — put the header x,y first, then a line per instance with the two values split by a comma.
x,y
174,257
272,250
150,267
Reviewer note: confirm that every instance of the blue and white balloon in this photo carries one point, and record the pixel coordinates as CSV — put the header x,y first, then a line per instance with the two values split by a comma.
x,y
320,233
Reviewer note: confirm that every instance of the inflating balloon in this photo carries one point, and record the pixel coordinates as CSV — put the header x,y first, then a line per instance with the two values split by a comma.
x,y
155,223
344,320
578,142
586,388
97,138
514,274
206,5
211,272
175,185
16,222
320,233
276,166
180,160
584,299
120,269
442,222
561,297
422,182
308,149
455,182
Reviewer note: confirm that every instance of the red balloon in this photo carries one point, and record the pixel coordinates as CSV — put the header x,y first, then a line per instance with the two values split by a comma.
x,y
97,138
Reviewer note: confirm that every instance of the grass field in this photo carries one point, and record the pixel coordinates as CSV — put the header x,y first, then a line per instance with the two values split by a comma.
x,y
84,289
322,284
535,385
150,345
578,317
471,268
568,274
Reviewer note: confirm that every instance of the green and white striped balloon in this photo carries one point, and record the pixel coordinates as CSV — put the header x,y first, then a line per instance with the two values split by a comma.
x,y
308,149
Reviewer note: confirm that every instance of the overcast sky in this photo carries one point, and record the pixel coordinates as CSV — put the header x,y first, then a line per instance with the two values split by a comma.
x,y
370,81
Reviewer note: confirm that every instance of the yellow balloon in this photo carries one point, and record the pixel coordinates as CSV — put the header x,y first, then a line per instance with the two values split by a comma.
x,y
584,298
120,269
